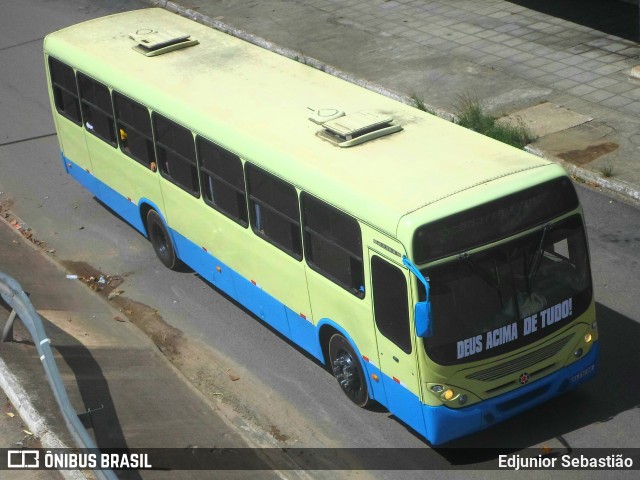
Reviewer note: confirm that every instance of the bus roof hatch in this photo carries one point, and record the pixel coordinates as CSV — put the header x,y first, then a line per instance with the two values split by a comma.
x,y
152,42
357,128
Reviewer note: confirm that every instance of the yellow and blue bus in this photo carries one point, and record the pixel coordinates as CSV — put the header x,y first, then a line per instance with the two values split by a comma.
x,y
438,272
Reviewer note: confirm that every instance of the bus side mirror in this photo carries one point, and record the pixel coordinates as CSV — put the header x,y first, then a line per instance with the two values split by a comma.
x,y
423,319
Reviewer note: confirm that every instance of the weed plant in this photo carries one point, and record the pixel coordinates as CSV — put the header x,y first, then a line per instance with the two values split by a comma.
x,y
471,115
606,170
418,102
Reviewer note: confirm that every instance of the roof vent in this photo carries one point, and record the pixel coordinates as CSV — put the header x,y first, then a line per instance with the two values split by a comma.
x,y
152,42
357,128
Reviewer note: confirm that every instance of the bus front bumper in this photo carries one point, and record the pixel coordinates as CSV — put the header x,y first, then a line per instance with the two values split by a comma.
x,y
444,424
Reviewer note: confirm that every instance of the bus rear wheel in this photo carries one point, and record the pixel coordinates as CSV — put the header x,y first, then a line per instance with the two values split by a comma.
x,y
161,240
348,371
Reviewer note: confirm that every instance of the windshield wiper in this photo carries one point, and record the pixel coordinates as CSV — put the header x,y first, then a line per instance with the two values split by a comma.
x,y
537,255
478,270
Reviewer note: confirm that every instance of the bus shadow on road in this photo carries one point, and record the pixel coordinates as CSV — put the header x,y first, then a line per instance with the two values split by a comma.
x,y
613,391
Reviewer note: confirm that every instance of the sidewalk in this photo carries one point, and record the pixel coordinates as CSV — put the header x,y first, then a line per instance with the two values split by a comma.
x,y
107,364
510,57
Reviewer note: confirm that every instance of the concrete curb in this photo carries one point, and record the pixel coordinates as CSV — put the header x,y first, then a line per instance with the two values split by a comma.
x,y
292,54
31,417
614,185
20,399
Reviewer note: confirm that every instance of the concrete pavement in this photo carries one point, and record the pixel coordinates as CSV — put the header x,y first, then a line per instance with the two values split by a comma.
x,y
578,57
108,365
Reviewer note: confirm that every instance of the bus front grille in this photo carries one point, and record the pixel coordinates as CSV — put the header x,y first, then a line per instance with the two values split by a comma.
x,y
521,363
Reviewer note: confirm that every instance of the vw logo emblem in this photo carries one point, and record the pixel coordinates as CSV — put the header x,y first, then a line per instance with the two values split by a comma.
x,y
524,378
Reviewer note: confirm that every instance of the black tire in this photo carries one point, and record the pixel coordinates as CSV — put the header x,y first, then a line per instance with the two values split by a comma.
x,y
161,240
347,369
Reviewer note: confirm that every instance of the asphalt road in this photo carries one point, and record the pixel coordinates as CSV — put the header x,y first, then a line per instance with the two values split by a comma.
x,y
602,413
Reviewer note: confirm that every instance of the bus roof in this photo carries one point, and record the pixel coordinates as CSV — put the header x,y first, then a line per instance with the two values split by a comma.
x,y
256,103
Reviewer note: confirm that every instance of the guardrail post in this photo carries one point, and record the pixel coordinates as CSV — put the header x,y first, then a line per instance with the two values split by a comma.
x,y
7,333
17,299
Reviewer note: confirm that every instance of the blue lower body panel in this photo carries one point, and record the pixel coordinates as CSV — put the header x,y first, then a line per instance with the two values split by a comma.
x,y
287,322
124,207
378,392
404,404
304,334
82,176
445,424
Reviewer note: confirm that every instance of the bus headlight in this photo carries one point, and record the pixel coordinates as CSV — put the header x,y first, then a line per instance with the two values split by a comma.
x,y
451,396
587,338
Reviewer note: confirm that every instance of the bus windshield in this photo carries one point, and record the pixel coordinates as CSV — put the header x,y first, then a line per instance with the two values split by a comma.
x,y
497,300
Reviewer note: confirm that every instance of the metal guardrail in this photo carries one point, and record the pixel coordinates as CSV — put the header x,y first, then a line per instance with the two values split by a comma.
x,y
12,293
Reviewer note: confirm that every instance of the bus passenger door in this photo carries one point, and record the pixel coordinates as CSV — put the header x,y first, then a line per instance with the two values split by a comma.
x,y
396,345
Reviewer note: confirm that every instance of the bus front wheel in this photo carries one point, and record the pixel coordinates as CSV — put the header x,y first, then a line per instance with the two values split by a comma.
x,y
348,370
161,240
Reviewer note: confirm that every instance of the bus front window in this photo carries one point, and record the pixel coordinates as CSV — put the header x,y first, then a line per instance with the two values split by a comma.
x,y
497,300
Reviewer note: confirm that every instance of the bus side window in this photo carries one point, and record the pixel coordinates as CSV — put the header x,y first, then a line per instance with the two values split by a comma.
x,y
176,152
333,244
275,213
134,129
222,180
97,111
65,90
390,302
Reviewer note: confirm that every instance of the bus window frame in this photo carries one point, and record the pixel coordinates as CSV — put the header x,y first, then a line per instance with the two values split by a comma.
x,y
114,94
112,142
62,88
204,171
308,232
159,145
254,201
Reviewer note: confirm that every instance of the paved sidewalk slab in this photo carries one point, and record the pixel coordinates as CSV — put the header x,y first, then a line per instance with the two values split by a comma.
x,y
510,55
546,118
137,397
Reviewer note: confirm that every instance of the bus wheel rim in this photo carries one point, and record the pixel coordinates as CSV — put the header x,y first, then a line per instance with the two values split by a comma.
x,y
161,241
345,371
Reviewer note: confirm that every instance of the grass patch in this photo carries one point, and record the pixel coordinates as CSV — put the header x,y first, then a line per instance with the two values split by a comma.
x,y
418,102
606,170
471,115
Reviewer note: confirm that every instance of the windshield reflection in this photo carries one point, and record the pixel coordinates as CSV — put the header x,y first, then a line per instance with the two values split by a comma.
x,y
497,300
